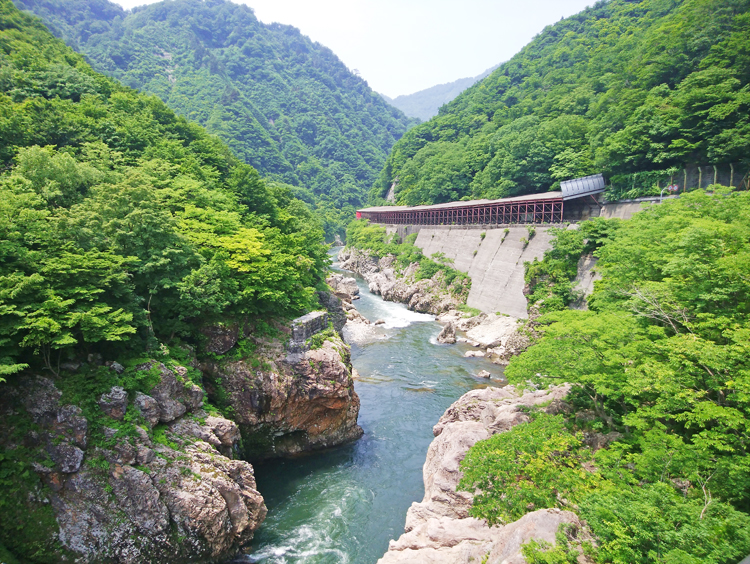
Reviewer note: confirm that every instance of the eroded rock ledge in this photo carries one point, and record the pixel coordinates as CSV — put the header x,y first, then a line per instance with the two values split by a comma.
x,y
438,529
289,396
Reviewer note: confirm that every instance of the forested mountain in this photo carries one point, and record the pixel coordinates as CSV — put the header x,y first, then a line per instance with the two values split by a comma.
x,y
284,104
426,103
122,225
624,86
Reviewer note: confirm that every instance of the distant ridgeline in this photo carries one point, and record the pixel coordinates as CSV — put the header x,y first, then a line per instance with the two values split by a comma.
x,y
284,104
623,87
425,103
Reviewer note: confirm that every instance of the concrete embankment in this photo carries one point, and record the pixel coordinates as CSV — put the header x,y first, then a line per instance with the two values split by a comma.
x,y
493,258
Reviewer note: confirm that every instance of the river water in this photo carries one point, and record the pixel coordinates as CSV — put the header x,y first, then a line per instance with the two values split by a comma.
x,y
344,505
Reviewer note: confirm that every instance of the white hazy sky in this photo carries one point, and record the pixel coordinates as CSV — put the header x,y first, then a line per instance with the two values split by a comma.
x,y
403,46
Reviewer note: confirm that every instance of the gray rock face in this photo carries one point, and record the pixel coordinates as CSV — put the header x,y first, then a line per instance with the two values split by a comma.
x,y
114,403
172,397
335,307
438,529
71,425
186,502
67,457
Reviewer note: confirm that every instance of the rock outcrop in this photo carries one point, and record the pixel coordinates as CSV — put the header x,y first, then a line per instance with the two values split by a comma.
x,y
287,402
129,495
438,529
399,285
498,337
344,287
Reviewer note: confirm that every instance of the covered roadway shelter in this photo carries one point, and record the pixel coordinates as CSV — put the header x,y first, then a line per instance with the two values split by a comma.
x,y
532,208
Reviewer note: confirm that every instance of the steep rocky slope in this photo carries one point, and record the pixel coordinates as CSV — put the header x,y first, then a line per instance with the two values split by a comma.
x,y
167,488
288,399
149,473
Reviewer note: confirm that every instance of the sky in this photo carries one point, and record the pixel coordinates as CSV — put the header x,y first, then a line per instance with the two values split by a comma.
x,y
403,46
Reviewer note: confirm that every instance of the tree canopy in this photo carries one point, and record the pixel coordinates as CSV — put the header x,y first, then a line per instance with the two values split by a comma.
x,y
662,359
283,103
624,86
123,224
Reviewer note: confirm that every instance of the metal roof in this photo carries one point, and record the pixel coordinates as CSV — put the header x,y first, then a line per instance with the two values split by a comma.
x,y
463,204
579,187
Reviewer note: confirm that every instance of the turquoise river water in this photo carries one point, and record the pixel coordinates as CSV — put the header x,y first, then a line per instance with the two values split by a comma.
x,y
343,506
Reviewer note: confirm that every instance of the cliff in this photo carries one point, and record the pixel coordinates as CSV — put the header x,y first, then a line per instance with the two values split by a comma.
x,y
289,393
135,464
438,529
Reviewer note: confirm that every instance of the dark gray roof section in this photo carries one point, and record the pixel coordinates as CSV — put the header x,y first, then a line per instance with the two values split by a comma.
x,y
579,187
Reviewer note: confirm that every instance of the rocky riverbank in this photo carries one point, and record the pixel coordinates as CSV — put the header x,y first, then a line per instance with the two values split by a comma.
x,y
496,337
149,470
438,529
286,403
395,284
152,478
289,392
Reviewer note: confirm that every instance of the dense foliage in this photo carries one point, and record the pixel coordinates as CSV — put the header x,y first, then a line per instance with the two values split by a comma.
x,y
122,224
662,357
361,234
551,280
284,104
623,87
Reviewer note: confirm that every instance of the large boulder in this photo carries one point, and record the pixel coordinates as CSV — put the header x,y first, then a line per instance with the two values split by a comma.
x,y
493,331
343,286
114,403
448,335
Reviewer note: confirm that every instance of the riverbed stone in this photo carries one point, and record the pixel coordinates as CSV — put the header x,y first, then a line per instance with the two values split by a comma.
x,y
448,335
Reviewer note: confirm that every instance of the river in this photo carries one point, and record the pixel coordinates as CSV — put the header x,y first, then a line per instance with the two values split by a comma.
x,y
344,505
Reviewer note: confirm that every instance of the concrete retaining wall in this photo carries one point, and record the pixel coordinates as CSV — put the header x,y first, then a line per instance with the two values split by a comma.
x,y
496,270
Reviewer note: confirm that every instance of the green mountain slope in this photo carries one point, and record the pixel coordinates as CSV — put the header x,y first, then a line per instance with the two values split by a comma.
x,y
122,225
284,104
624,86
426,103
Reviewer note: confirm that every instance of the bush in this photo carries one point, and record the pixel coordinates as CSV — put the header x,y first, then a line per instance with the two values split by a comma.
x,y
532,466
